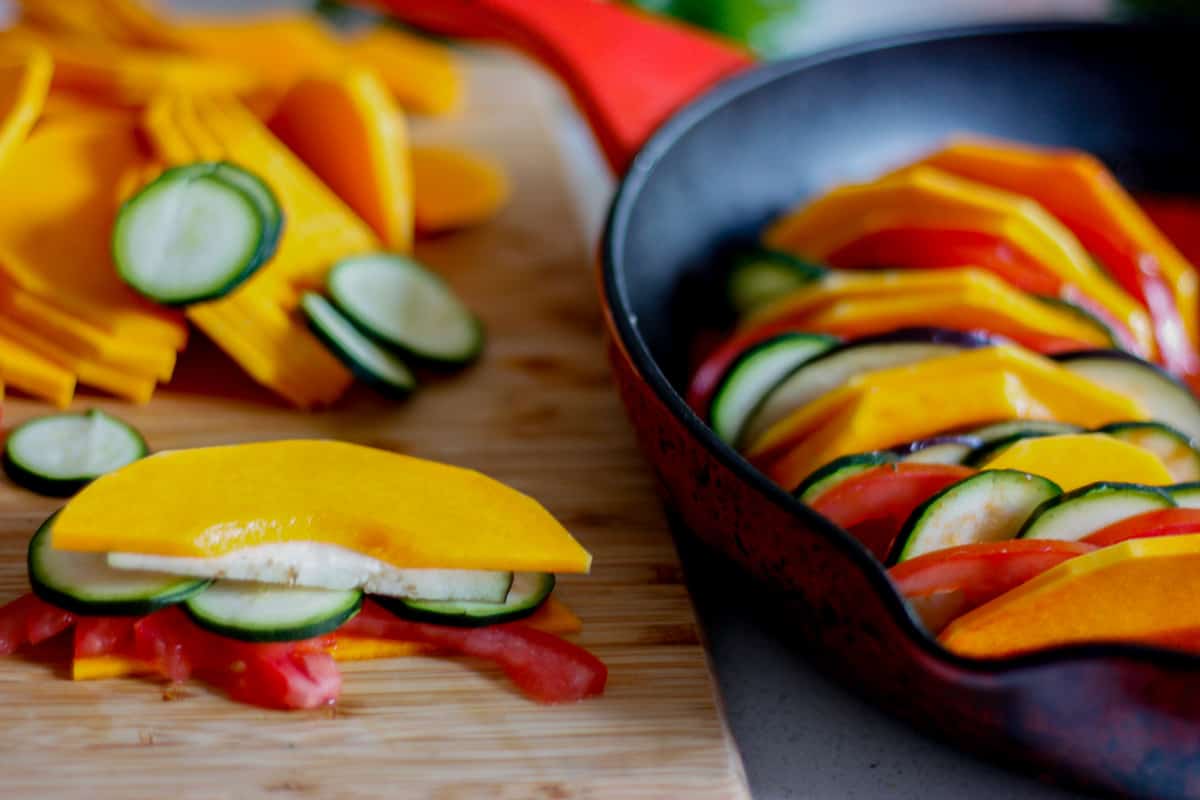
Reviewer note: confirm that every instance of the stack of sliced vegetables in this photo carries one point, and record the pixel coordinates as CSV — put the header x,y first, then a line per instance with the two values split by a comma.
x,y
157,173
283,557
980,367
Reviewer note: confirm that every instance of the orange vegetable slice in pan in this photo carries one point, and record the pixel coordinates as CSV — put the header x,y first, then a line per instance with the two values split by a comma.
x,y
926,197
1075,460
455,188
877,419
345,127
420,74
1080,191
1137,591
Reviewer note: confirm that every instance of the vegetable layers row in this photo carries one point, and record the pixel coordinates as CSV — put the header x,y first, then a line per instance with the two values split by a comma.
x,y
978,365
102,97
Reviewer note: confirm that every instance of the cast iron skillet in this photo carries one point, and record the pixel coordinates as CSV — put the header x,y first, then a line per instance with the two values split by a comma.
x,y
1115,717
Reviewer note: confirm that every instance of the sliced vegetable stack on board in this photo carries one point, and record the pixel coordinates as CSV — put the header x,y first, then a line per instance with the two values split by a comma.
x,y
285,557
159,173
982,366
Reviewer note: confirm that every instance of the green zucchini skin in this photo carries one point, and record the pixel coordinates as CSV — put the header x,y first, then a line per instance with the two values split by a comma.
x,y
398,386
20,472
77,599
1096,505
343,606
529,592
932,525
259,200
839,470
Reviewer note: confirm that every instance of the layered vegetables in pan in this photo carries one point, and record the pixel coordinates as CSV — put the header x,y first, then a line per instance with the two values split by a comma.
x,y
982,366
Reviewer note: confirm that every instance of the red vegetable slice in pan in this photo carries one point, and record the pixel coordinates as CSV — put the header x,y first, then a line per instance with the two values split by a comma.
x,y
545,667
977,573
1163,522
874,504
933,248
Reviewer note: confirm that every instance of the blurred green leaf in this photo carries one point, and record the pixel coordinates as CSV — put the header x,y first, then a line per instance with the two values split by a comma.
x,y
760,24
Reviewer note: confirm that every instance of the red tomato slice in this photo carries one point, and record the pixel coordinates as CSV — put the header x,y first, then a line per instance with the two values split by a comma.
x,y
29,620
981,572
544,667
1163,522
278,675
104,636
874,504
943,248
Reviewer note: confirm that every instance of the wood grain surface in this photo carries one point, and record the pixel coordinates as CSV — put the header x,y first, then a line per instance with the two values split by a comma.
x,y
538,412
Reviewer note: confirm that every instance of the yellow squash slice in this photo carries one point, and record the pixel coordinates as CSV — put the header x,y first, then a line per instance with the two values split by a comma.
x,y
404,511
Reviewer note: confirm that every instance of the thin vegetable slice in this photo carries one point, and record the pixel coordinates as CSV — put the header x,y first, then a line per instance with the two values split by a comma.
x,y
988,507
756,374
529,590
259,612
404,305
374,365
188,237
83,583
59,455
455,188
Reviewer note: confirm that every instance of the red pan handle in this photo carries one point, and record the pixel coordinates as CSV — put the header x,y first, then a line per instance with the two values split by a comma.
x,y
628,70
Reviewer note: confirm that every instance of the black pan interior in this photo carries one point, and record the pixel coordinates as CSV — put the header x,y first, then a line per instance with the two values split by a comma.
x,y
723,167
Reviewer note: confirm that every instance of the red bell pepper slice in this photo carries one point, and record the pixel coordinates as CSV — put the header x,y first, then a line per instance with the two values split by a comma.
x,y
1179,220
972,574
1140,274
545,667
934,248
873,505
1163,522
30,620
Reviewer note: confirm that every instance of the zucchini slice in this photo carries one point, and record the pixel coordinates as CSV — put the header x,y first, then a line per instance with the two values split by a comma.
x,y
759,276
989,450
84,583
938,450
1005,430
755,373
1165,398
381,369
1185,495
190,236
263,197
839,470
529,590
405,306
988,507
835,367
259,612
1085,510
1174,449
60,454
1083,315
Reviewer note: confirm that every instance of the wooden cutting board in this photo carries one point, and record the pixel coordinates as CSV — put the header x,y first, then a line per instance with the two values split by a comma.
x,y
539,413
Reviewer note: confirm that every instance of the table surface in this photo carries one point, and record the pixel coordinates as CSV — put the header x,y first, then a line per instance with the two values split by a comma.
x,y
801,734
